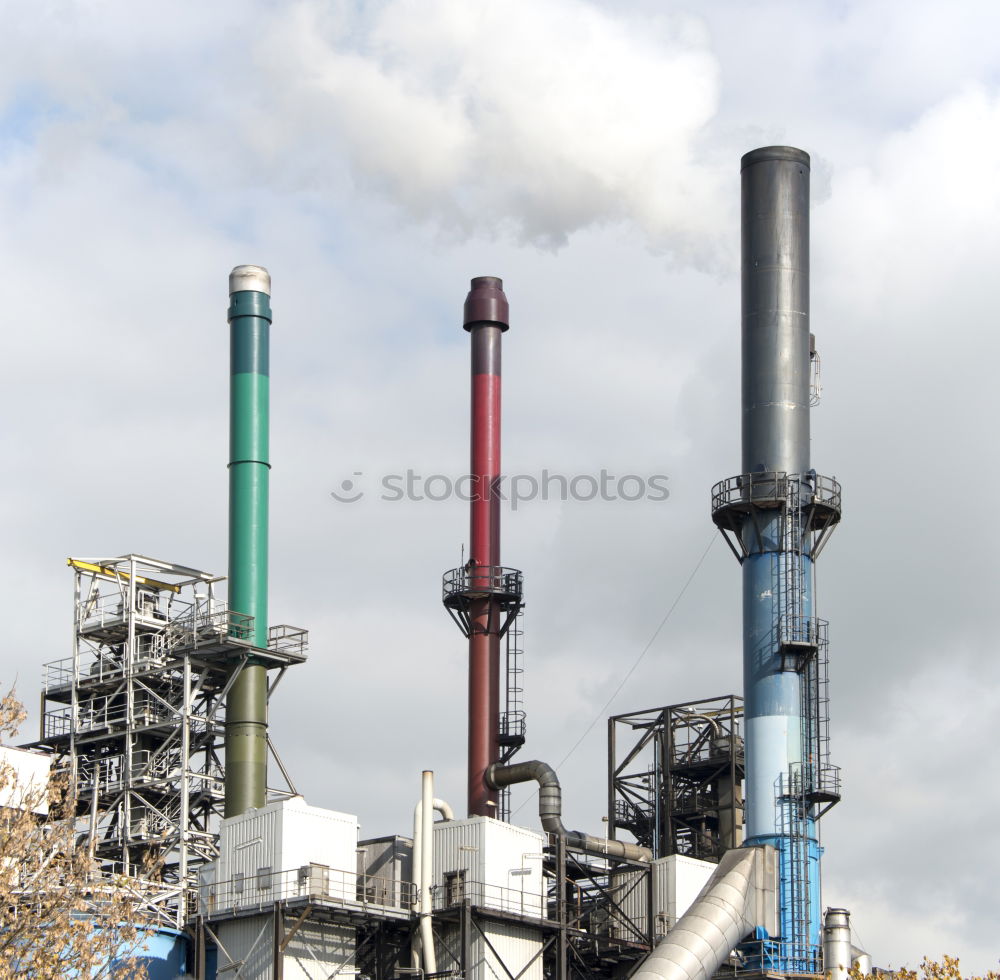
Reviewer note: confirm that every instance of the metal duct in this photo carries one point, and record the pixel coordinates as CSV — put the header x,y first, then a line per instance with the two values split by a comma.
x,y
550,810
722,915
249,466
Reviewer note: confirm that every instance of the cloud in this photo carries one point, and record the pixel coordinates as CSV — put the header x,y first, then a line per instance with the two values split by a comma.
x,y
905,857
535,118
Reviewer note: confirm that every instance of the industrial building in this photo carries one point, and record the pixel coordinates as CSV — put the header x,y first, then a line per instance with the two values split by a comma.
x,y
711,863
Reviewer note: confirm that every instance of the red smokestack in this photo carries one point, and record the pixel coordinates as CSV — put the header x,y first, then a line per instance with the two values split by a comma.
x,y
486,319
482,597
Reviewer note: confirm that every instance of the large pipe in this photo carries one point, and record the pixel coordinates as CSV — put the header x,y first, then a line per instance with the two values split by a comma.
x,y
719,918
777,573
550,810
249,466
427,871
423,869
486,319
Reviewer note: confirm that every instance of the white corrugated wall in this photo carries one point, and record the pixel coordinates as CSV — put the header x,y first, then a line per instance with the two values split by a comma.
x,y
503,870
246,944
502,863
315,952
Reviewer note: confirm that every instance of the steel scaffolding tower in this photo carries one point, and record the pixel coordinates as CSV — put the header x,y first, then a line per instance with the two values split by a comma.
x,y
136,715
676,784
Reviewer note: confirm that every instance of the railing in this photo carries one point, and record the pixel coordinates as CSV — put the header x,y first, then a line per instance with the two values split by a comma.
x,y
195,626
774,956
805,780
57,673
634,817
92,666
110,774
802,630
513,724
110,612
151,825
315,882
204,627
106,713
288,639
98,666
58,722
482,580
212,782
522,901
112,712
773,489
709,750
688,800
827,781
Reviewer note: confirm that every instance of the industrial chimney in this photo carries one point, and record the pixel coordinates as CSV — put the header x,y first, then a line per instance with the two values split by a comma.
x,y
482,596
249,467
776,516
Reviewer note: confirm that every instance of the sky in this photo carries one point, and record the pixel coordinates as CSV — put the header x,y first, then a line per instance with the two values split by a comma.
x,y
375,157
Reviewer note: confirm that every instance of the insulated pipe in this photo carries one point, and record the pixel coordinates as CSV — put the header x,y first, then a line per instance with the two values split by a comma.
x,y
486,318
446,814
704,936
249,466
775,403
550,810
426,870
424,873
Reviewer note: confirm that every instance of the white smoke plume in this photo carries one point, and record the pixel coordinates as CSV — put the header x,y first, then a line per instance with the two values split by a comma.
x,y
533,119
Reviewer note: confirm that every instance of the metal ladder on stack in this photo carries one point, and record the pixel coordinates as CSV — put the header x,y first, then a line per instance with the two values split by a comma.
x,y
512,718
796,786
822,780
793,586
792,804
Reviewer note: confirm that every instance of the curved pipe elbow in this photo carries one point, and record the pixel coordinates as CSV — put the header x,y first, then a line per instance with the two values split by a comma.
x,y
550,810
447,813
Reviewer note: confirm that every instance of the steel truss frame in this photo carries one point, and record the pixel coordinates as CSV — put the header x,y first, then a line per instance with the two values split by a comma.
x,y
675,784
136,717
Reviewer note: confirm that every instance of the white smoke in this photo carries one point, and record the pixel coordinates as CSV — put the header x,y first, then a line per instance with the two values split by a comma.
x,y
532,118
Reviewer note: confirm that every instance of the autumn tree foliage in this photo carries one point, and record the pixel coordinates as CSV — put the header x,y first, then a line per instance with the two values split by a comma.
x,y
947,969
59,915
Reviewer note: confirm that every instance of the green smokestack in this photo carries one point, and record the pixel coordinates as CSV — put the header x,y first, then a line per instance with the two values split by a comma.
x,y
249,466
